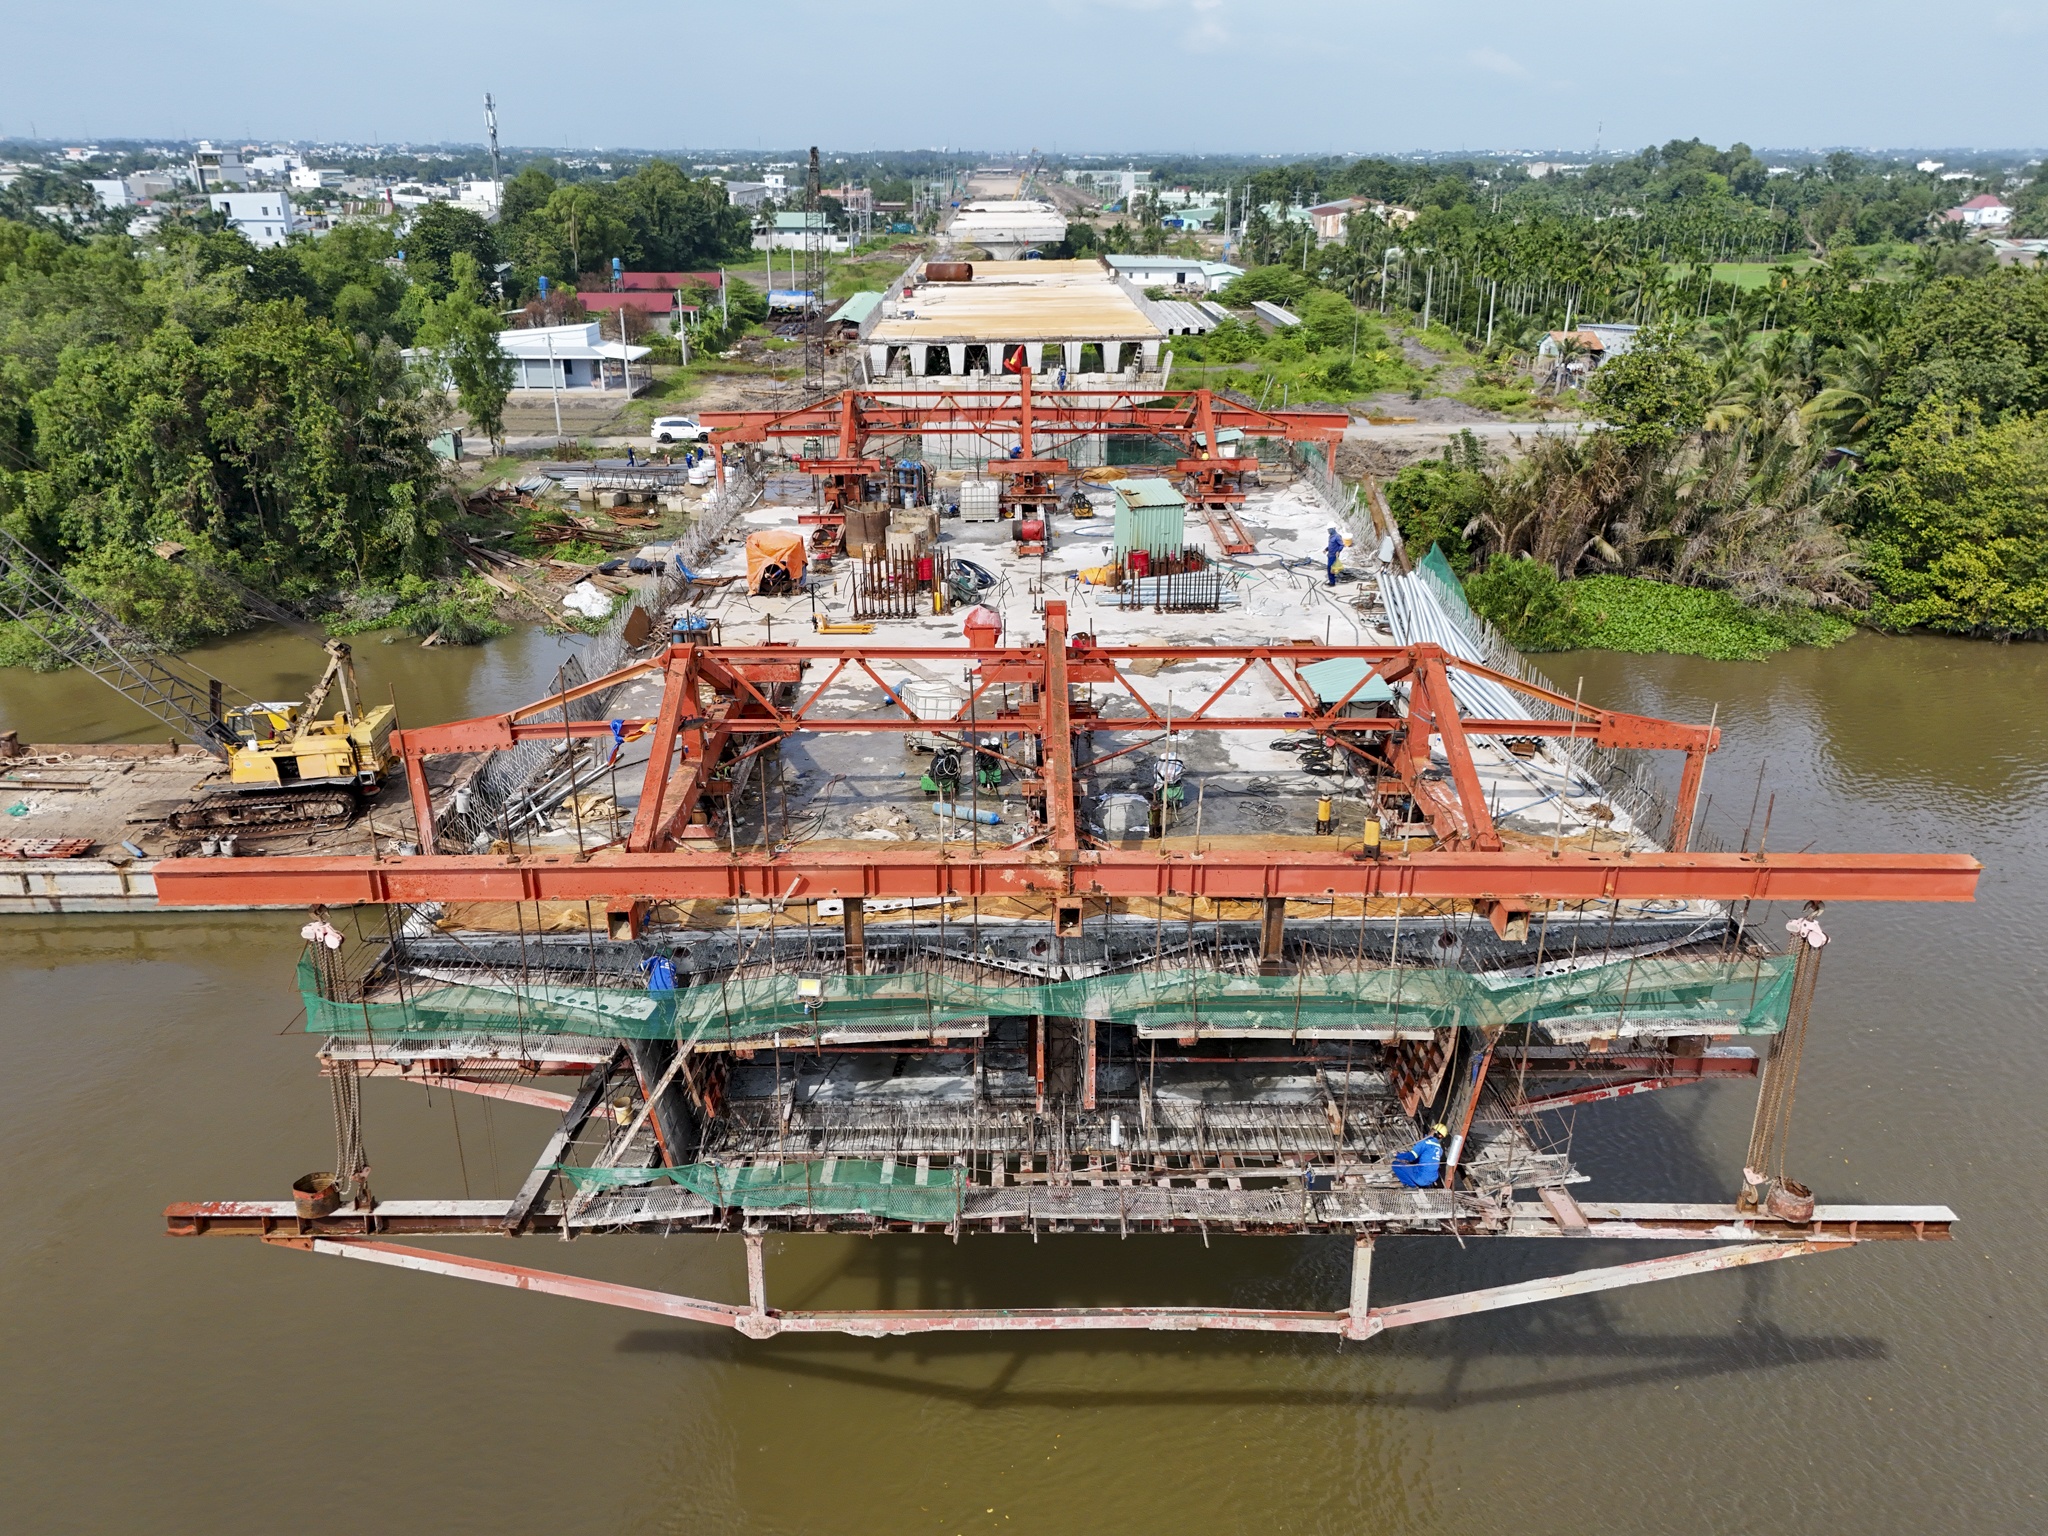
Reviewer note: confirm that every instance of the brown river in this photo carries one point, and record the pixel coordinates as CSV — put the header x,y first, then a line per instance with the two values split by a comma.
x,y
218,1387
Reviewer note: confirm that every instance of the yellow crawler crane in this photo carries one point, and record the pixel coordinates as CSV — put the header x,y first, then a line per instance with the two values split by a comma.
x,y
289,766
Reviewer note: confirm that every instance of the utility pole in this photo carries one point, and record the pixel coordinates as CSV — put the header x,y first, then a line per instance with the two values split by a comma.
x,y
555,384
497,179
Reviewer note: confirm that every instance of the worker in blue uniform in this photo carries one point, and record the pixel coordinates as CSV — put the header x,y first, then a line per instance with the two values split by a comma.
x,y
1333,553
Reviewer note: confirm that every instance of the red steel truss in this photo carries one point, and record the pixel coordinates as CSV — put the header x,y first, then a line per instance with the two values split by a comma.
x,y
854,418
722,705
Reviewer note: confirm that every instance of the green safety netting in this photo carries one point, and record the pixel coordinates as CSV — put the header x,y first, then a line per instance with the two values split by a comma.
x,y
826,1187
1434,566
1746,995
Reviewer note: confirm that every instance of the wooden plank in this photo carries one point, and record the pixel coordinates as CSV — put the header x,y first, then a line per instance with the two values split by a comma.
x,y
1561,1205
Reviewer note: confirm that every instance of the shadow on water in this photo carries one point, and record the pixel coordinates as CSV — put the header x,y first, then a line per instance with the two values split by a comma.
x,y
1561,1344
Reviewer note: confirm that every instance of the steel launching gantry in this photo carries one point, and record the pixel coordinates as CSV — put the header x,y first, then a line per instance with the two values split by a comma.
x,y
1062,708
1041,422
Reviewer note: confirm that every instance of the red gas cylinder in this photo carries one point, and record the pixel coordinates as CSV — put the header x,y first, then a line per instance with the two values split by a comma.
x,y
1140,562
924,567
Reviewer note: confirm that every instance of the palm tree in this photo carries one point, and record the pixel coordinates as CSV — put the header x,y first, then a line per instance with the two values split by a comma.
x,y
1853,380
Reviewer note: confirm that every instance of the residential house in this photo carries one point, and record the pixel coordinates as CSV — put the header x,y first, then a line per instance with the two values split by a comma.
x,y
1596,344
2018,253
1984,211
264,219
148,186
1332,220
795,232
567,357
217,170
1185,272
273,167
308,178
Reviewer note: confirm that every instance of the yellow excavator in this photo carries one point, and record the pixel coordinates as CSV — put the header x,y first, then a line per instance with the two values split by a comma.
x,y
289,766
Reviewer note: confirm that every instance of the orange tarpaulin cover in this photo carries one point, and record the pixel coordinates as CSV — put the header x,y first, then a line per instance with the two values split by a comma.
x,y
774,546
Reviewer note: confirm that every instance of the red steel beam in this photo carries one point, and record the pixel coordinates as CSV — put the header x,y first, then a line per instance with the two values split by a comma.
x,y
1625,1090
1471,867
697,873
856,415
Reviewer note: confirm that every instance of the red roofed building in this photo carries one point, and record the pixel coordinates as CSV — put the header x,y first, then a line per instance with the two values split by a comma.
x,y
657,295
1985,211
712,280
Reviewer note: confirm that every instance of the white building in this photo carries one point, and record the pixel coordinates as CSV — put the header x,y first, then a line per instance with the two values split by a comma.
x,y
112,191
571,357
264,219
479,197
796,231
273,167
1985,211
309,178
1190,272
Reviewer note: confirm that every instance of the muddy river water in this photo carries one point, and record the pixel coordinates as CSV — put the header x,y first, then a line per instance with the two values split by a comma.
x,y
160,1385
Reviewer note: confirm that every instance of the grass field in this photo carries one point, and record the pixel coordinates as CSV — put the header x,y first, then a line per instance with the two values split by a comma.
x,y
1755,274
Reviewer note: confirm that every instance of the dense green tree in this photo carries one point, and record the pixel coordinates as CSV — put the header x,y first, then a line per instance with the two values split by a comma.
x,y
1656,392
460,335
281,448
436,234
1956,523
1983,340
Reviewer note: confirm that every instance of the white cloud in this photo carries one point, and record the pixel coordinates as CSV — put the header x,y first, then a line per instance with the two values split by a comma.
x,y
1495,62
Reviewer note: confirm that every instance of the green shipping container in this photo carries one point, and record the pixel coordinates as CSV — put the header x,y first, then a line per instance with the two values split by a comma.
x,y
1150,515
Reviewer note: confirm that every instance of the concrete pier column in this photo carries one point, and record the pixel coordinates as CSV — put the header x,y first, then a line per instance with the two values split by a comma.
x,y
1150,349
1034,356
1112,357
916,351
1072,350
956,353
1357,1318
878,361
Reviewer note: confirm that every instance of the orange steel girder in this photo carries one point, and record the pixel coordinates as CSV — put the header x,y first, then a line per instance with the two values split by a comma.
x,y
855,416
720,703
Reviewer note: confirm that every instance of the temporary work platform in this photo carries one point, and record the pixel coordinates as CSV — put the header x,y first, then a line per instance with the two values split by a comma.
x,y
1050,1025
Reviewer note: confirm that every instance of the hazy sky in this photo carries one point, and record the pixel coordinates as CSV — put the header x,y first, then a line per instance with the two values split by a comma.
x,y
1264,75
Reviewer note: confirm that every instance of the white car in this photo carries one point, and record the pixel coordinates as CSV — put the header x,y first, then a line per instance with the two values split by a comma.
x,y
679,429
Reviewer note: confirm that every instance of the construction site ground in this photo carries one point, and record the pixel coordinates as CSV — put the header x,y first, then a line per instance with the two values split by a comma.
x,y
847,790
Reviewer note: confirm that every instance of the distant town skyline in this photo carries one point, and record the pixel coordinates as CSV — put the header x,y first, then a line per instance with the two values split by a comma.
x,y
1134,76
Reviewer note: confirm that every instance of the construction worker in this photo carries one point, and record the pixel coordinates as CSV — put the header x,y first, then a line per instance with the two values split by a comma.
x,y
629,457
1333,552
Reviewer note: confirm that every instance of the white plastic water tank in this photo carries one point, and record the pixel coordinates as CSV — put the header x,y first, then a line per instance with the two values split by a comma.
x,y
930,699
981,501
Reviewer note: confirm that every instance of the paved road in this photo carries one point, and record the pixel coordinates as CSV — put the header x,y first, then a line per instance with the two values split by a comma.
x,y
1413,431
